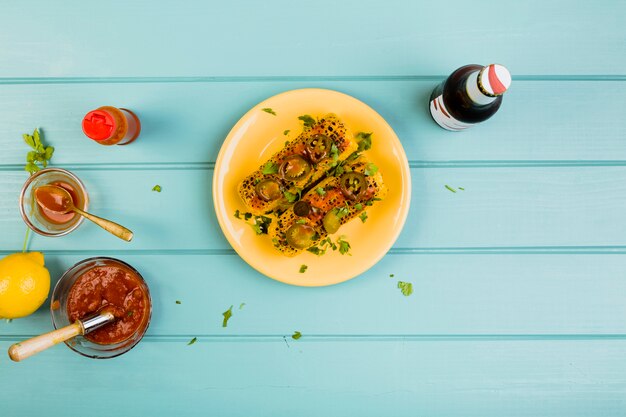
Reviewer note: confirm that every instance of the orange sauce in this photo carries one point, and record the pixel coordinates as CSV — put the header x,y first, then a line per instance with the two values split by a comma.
x,y
57,218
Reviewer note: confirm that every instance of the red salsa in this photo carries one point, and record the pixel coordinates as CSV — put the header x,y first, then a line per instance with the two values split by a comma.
x,y
116,288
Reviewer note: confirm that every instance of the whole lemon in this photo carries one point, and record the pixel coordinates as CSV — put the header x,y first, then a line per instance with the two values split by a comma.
x,y
24,284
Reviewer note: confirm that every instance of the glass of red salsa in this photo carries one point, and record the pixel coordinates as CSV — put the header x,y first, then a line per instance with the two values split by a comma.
x,y
92,285
46,223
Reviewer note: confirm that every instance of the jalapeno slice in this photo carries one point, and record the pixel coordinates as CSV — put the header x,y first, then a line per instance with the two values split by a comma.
x,y
318,147
300,236
353,185
295,167
331,221
268,190
302,208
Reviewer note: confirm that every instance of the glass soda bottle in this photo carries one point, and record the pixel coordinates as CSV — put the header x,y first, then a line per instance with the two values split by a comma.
x,y
470,95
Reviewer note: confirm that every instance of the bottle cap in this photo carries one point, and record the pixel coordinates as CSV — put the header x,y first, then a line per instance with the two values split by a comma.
x,y
494,80
99,125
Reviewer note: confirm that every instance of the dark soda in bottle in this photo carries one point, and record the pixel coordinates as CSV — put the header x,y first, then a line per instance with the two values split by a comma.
x,y
470,95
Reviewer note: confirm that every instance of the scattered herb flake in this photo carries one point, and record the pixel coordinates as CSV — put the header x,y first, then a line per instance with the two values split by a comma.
x,y
342,212
461,188
406,288
241,305
296,335
227,315
344,246
192,341
364,140
178,302
321,191
268,110
261,224
363,216
247,216
286,132
358,206
237,214
157,188
371,169
303,268
450,188
391,275
308,121
130,313
301,221
270,168
290,197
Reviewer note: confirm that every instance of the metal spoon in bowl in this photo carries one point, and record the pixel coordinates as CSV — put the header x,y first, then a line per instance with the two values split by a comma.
x,y
58,200
30,347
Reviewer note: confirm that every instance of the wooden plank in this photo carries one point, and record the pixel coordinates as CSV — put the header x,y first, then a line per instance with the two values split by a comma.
x,y
312,378
187,122
453,295
285,38
500,207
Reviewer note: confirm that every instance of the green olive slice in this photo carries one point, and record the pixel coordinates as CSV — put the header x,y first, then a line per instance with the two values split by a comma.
x,y
268,190
318,147
300,236
302,208
353,185
294,168
331,221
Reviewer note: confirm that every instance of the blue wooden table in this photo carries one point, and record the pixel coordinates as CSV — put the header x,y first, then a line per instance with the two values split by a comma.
x,y
519,304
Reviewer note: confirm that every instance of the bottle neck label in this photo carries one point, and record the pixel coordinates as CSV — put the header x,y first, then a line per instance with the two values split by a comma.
x,y
442,116
473,91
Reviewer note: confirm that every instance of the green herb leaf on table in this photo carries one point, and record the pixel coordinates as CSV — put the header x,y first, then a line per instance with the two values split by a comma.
x,y
303,268
40,154
227,315
157,188
192,341
178,302
296,335
371,169
391,275
241,305
268,110
364,140
461,188
406,288
270,168
450,188
308,121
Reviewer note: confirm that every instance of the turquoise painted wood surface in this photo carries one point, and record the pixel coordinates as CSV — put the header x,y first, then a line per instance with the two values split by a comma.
x,y
519,304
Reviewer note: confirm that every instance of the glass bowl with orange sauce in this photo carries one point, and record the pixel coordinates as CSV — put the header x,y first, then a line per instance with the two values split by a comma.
x,y
92,285
46,223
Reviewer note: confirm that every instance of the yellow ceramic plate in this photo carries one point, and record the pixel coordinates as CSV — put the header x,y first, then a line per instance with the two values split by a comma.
x,y
259,134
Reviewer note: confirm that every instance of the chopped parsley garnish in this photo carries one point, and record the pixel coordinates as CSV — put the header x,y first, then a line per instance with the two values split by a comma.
x,y
157,188
358,206
342,211
301,221
461,188
270,168
130,313
371,169
241,305
286,132
296,335
178,302
303,268
192,341
391,275
364,140
308,121
40,154
261,224
320,191
406,288
247,216
237,214
334,152
227,315
450,188
290,197
268,110
363,216
344,246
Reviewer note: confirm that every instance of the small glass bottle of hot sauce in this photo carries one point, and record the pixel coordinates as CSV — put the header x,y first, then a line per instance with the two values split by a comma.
x,y
109,125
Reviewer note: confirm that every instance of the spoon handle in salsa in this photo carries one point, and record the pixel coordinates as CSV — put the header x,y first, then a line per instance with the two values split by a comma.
x,y
28,348
111,227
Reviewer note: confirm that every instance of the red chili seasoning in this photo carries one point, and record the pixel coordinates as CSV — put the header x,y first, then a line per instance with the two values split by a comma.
x,y
117,288
109,125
